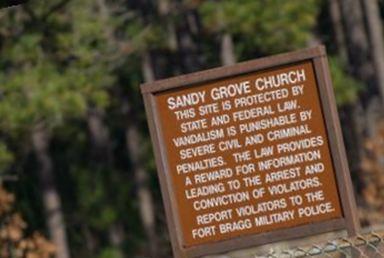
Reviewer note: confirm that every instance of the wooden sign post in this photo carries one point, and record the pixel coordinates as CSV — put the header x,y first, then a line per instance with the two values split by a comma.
x,y
250,154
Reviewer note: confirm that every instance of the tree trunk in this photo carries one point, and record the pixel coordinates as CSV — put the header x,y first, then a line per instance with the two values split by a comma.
x,y
147,68
144,195
357,45
361,67
133,146
133,142
116,237
375,32
189,52
101,147
51,198
227,55
357,40
102,156
337,24
90,241
164,10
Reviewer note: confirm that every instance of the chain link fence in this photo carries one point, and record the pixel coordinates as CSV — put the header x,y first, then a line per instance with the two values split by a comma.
x,y
368,245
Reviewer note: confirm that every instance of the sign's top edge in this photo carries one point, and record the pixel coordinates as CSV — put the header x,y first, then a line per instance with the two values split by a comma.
x,y
239,68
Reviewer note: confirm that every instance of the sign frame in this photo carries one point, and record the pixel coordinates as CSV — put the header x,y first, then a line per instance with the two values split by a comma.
x,y
349,220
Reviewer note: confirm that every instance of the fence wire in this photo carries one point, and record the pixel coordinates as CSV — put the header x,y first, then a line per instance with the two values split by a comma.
x,y
369,245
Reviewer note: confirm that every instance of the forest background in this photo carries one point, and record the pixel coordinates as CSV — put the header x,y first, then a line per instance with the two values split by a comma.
x,y
76,162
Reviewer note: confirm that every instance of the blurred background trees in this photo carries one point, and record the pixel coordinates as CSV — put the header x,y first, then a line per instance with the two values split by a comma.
x,y
13,240
72,123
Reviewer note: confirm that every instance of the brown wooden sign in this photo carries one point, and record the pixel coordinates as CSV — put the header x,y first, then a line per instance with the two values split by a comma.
x,y
250,154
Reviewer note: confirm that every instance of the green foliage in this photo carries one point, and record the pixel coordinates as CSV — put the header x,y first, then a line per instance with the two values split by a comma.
x,y
145,37
54,83
110,253
6,157
54,71
93,198
268,25
346,87
39,92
